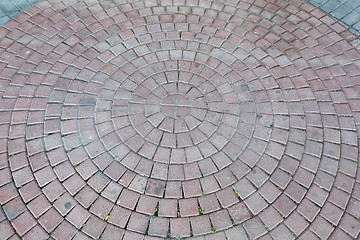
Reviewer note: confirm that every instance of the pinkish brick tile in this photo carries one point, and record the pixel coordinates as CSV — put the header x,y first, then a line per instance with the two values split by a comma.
x,y
200,225
255,203
209,203
112,232
112,191
321,227
284,205
25,175
158,227
101,207
39,205
331,213
179,227
138,184
254,227
50,220
77,216
128,199
221,220
147,204
350,225
99,181
94,227
189,207
119,216
209,184
244,188
269,191
191,188
138,223
64,231
14,208
227,197
6,230
281,232
8,192
270,217
296,223
339,197
168,208
23,223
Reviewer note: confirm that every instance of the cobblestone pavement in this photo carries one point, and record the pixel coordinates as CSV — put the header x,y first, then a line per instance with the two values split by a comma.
x,y
178,119
347,12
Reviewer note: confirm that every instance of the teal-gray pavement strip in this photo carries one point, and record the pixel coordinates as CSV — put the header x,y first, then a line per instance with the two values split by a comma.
x,y
11,8
346,12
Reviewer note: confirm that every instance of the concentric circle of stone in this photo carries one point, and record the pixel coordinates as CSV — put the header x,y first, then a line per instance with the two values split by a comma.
x,y
178,119
176,116
167,107
175,106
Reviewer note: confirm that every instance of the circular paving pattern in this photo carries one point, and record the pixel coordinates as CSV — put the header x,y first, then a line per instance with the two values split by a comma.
x,y
178,119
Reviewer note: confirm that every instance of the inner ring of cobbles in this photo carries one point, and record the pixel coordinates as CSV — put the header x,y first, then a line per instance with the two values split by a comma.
x,y
175,106
167,107
132,161
126,104
128,115
164,136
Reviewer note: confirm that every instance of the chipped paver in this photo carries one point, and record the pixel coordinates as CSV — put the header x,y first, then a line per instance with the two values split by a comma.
x,y
178,119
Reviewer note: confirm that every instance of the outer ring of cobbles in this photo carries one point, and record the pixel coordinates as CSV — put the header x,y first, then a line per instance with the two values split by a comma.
x,y
349,127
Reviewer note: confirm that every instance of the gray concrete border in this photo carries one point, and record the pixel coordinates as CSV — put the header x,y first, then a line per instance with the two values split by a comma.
x,y
346,12
11,8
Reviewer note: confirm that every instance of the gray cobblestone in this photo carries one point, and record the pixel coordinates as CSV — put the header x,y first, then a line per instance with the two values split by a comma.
x,y
11,8
330,5
23,5
345,11
317,2
351,18
341,12
4,19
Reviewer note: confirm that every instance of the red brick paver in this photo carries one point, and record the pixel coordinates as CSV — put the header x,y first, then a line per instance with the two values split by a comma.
x,y
178,119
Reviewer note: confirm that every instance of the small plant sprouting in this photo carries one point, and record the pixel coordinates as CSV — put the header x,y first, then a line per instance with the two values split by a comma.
x,y
213,229
155,213
201,211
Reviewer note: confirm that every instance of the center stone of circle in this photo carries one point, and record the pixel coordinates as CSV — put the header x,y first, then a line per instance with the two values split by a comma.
x,y
175,106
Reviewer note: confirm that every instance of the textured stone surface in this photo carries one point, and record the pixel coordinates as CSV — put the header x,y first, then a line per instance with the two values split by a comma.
x,y
346,12
182,119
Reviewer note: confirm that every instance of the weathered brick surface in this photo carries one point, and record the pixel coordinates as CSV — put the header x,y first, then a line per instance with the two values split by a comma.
x,y
176,119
